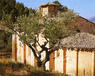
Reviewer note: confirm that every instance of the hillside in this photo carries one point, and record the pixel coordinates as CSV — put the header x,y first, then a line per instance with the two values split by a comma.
x,y
83,25
9,68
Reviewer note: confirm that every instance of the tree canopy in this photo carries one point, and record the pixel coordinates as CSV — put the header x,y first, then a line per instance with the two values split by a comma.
x,y
9,11
28,28
57,2
12,10
5,39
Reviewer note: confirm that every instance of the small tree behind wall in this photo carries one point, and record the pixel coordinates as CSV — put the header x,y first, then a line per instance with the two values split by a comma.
x,y
28,28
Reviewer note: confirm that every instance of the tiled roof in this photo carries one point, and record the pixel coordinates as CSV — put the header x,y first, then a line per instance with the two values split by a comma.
x,y
80,40
47,4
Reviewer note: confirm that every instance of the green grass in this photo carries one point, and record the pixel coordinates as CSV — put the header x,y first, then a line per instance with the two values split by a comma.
x,y
10,68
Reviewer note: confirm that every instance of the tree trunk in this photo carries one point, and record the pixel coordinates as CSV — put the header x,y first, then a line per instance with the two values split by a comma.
x,y
41,65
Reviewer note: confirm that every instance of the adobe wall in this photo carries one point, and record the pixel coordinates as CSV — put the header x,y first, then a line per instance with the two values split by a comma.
x,y
49,10
85,65
53,10
93,63
71,62
29,56
23,54
65,63
44,11
20,51
14,47
58,62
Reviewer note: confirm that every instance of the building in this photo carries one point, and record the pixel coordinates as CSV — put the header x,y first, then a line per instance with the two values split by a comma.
x,y
51,9
76,57
83,25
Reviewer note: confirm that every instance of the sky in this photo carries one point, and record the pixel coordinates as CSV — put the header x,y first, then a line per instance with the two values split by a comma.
x,y
85,8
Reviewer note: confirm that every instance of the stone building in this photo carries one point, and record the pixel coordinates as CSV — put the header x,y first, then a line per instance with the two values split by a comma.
x,y
51,9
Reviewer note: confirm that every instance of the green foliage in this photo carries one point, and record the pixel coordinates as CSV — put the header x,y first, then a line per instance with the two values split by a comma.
x,y
9,11
26,11
6,6
57,2
12,9
21,10
52,28
68,17
5,40
57,28
28,27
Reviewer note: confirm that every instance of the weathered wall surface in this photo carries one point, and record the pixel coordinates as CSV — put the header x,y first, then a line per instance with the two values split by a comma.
x,y
13,47
49,10
71,62
24,53
93,63
53,10
86,60
47,65
44,11
20,51
29,56
59,60
85,66
52,62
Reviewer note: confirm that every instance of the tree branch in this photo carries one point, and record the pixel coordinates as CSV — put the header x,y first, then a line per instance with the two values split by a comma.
x,y
33,50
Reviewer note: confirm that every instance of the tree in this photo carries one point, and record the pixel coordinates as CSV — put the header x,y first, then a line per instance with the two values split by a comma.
x,y
6,7
5,38
28,28
12,9
61,7
57,2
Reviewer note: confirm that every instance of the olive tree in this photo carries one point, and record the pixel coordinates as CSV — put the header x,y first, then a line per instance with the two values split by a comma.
x,y
53,30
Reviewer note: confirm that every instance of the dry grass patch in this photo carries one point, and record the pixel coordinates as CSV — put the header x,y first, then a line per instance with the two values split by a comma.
x,y
10,68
